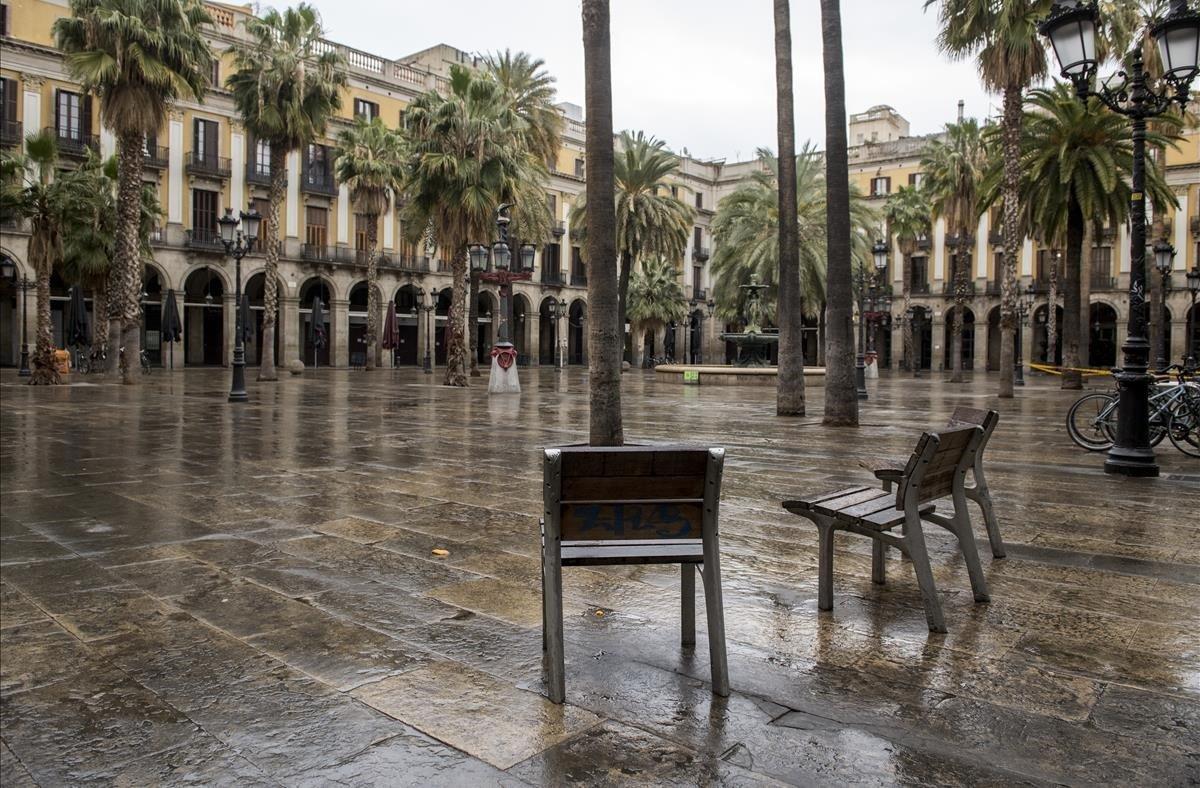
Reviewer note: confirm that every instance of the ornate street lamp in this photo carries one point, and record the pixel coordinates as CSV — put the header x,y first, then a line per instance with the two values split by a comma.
x,y
1164,259
913,315
1071,28
504,355
1193,286
8,269
1025,299
238,242
420,307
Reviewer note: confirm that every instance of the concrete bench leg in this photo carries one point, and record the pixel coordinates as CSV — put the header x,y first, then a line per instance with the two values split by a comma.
x,y
825,566
980,495
914,540
552,631
878,559
714,610
687,604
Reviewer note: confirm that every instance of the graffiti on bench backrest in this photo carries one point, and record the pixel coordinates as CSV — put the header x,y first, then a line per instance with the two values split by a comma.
x,y
631,520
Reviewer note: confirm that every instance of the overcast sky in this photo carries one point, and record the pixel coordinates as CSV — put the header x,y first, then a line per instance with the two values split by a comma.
x,y
696,73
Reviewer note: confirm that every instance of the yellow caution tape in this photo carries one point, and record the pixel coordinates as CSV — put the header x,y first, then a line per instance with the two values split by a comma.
x,y
1052,370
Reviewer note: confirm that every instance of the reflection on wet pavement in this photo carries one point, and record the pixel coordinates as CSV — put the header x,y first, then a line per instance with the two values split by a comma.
x,y
338,584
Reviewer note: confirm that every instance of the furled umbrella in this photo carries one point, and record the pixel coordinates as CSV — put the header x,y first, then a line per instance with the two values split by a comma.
x,y
391,329
77,320
316,329
172,327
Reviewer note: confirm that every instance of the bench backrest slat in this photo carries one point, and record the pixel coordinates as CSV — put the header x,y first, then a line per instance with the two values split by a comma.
x,y
937,461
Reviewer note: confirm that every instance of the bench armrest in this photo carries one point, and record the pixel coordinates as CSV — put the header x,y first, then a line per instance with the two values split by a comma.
x,y
887,470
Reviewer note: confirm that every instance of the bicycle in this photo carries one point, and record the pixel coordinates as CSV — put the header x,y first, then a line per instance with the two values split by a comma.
x,y
1092,419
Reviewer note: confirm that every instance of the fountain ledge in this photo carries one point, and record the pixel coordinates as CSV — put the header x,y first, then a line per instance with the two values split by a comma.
x,y
727,375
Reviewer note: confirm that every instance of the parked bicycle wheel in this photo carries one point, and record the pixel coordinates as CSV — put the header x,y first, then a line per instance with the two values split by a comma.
x,y
1092,421
1184,429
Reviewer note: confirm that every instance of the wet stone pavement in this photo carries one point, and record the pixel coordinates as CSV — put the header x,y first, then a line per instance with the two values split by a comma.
x,y
200,593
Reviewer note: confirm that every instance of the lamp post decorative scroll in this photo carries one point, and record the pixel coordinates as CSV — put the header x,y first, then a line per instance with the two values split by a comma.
x,y
504,379
1071,28
1164,259
238,243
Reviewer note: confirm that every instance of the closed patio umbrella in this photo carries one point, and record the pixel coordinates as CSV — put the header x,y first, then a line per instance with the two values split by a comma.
x,y
391,329
316,329
77,321
172,327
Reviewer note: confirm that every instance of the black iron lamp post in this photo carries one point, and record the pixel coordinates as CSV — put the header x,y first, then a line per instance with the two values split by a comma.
x,y
1193,286
1025,300
1164,258
238,242
558,311
913,315
498,271
8,269
420,307
710,308
1071,28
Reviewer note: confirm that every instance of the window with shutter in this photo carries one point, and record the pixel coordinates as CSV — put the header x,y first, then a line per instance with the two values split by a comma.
x,y
68,115
204,213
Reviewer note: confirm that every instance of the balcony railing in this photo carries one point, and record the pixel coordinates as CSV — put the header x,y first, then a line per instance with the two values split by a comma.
x,y
318,183
994,287
76,145
995,237
259,174
418,264
11,132
155,158
948,287
316,253
923,243
919,288
1102,281
553,278
444,267
579,278
560,228
700,253
212,166
205,240
699,294
158,236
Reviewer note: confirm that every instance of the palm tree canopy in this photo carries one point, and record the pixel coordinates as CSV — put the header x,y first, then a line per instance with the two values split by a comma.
x,y
137,55
909,216
287,82
1081,155
954,168
655,294
1001,35
746,234
528,94
370,159
650,221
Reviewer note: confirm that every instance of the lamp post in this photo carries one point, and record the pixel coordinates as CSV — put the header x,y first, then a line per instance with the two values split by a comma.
x,y
558,311
238,242
914,314
497,270
1164,258
8,269
710,307
420,307
1024,307
1193,286
1071,28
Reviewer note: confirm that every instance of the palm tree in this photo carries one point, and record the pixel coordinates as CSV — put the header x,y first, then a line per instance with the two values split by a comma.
x,y
841,397
655,296
954,169
369,162
650,221
605,324
286,86
1076,163
1002,36
908,217
31,192
138,56
789,393
464,160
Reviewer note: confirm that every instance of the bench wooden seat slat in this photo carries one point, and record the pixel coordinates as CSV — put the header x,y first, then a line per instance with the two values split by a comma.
x,y
593,554
883,503
889,518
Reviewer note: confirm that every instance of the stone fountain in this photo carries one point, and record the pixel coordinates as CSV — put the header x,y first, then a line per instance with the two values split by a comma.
x,y
753,344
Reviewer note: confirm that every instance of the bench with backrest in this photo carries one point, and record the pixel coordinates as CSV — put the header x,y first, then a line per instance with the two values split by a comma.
x,y
936,469
633,505
889,472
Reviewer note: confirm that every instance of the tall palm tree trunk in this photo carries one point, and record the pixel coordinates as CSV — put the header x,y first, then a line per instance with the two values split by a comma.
x,y
841,398
1052,313
623,306
956,317
43,241
129,253
372,337
605,303
906,331
99,320
1011,193
1071,378
473,323
789,395
272,241
1085,294
456,349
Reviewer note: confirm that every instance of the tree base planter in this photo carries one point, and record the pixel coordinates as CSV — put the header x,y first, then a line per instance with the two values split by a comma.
x,y
727,375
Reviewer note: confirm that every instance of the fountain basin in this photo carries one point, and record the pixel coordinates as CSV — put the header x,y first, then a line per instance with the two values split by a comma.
x,y
729,375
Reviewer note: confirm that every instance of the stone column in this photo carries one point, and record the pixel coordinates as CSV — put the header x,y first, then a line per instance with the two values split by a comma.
x,y
897,340
339,325
237,163
291,241
937,351
175,169
979,360
228,315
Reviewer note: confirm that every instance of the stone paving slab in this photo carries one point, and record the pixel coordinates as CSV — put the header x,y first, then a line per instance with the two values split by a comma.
x,y
193,593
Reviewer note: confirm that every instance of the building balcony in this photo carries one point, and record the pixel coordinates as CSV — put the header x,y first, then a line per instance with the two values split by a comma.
x,y
919,288
260,174
444,267
416,264
317,253
204,240
75,145
209,166
698,294
552,278
11,132
995,237
579,278
994,287
923,243
700,253
1102,281
158,236
948,287
155,158
318,183
560,228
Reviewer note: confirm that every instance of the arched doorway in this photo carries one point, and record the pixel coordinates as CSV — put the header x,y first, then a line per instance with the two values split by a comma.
x,y
356,334
60,297
204,318
407,315
883,341
923,336
256,295
442,313
11,315
1102,344
485,307
810,328
967,333
518,328
576,341
311,289
993,339
546,332
1041,335
152,306
669,339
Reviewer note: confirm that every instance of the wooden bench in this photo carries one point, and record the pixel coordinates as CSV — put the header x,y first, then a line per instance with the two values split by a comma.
x,y
633,505
936,469
890,472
